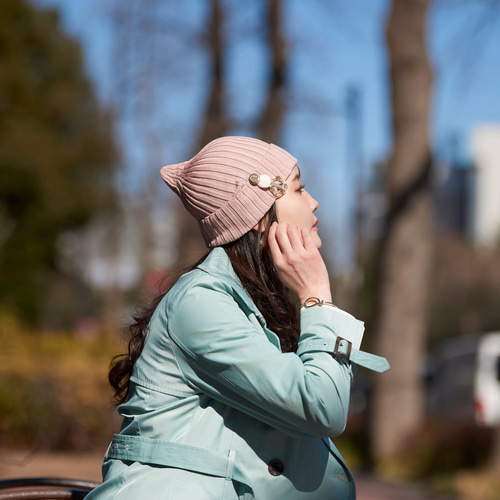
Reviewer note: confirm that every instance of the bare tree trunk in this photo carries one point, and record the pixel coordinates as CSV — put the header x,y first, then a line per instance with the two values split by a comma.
x,y
401,322
214,124
6,226
135,34
269,126
493,463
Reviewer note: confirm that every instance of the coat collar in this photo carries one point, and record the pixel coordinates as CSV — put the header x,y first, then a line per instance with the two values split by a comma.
x,y
217,264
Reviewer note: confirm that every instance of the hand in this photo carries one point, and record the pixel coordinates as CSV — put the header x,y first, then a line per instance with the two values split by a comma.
x,y
298,262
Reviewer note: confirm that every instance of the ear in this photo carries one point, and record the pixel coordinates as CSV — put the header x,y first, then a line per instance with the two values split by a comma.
x,y
262,224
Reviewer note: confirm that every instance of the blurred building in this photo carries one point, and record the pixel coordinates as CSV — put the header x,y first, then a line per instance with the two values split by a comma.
x,y
466,192
465,189
485,152
454,197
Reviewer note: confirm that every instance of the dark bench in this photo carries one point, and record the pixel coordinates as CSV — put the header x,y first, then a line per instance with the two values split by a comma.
x,y
44,488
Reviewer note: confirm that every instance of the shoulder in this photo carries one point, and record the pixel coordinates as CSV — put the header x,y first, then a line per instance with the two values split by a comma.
x,y
215,276
205,302
196,285
200,299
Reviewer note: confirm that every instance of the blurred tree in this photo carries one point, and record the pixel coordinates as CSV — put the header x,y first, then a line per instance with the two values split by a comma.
x,y
141,59
214,123
270,121
403,284
57,152
148,92
173,45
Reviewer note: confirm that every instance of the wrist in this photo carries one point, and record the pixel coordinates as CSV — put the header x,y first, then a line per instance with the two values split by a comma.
x,y
324,294
316,302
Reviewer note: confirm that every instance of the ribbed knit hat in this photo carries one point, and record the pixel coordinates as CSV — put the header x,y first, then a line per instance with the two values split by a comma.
x,y
215,185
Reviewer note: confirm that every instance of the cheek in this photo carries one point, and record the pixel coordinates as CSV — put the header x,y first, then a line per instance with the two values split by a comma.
x,y
282,211
288,215
304,214
294,210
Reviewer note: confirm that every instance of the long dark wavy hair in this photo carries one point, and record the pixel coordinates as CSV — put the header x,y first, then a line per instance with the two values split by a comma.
x,y
253,264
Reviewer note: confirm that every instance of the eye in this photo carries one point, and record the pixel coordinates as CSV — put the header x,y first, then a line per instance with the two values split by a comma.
x,y
301,188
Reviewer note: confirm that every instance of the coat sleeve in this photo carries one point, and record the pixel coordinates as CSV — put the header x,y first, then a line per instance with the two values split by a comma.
x,y
221,353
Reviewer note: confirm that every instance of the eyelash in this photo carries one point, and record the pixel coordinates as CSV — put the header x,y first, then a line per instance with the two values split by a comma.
x,y
302,188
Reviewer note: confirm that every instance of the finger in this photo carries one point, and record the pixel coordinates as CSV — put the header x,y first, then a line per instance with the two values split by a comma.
x,y
295,237
272,241
308,241
282,237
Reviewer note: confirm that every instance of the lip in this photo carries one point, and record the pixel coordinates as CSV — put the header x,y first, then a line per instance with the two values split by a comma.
x,y
314,227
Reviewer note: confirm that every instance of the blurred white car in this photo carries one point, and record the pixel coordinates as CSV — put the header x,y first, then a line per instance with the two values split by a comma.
x,y
487,380
464,382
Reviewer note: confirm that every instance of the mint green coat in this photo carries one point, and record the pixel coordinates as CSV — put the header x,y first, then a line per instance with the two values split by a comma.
x,y
217,411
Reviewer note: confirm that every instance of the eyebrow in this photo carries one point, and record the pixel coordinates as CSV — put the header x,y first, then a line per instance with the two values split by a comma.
x,y
296,176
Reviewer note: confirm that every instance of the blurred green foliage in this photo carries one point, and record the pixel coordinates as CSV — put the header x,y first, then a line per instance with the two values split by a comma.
x,y
53,388
447,457
57,153
442,448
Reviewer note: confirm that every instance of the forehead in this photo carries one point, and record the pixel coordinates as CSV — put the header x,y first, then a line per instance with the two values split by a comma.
x,y
294,175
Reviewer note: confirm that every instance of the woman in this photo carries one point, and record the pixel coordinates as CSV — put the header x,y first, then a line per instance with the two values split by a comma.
x,y
225,393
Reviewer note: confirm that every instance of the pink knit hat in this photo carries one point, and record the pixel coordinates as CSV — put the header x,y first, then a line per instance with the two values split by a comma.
x,y
216,189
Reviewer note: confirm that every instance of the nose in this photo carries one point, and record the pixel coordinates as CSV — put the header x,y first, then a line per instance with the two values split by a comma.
x,y
314,204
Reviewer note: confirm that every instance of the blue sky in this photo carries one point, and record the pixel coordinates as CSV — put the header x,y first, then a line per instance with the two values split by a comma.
x,y
334,46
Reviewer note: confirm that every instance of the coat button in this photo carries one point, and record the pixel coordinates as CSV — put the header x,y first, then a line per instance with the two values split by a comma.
x,y
276,467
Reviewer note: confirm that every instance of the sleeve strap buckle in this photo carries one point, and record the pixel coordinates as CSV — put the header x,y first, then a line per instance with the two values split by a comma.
x,y
342,348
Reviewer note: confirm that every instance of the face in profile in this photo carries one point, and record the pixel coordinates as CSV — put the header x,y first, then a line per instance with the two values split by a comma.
x,y
297,207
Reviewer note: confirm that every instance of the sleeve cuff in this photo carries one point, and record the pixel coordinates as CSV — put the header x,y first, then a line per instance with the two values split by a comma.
x,y
320,326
